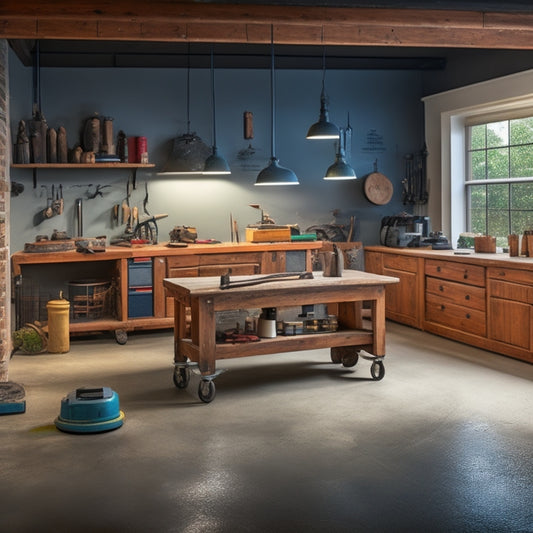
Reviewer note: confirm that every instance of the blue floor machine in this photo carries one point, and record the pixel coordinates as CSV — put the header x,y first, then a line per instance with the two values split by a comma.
x,y
90,410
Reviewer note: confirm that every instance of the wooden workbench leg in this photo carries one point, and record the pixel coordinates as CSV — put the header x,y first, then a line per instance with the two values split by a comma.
x,y
206,333
179,330
350,315
378,323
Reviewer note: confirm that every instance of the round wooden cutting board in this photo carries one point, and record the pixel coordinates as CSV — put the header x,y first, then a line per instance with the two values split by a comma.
x,y
378,188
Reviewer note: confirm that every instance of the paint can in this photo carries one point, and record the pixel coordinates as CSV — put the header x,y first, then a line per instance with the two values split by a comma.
x,y
58,325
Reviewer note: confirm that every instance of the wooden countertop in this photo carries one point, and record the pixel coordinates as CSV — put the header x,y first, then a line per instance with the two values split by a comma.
x,y
155,250
206,286
461,256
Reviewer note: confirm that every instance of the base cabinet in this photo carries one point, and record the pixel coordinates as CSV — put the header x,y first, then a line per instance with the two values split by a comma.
x,y
137,298
402,302
510,313
455,297
470,299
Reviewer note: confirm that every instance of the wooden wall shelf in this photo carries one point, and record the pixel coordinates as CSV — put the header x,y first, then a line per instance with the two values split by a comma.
x,y
43,166
83,165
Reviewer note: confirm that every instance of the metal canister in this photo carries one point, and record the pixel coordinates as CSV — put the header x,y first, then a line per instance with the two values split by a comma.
x,y
58,325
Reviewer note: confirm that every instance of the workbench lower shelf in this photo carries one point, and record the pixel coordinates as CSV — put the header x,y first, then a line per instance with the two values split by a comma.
x,y
280,344
205,296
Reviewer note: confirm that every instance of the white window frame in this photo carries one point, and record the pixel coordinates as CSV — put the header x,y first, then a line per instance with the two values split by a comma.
x,y
446,115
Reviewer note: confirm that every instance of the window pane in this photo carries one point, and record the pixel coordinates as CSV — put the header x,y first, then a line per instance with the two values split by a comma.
x,y
520,221
498,212
498,224
521,161
477,137
478,221
478,196
477,165
498,163
522,196
498,134
498,196
521,130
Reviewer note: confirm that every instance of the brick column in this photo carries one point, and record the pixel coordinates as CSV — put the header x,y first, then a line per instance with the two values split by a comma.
x,y
5,159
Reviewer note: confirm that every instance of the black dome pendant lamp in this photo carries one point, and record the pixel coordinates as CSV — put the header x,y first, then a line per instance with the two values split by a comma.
x,y
189,151
274,173
341,169
215,163
323,129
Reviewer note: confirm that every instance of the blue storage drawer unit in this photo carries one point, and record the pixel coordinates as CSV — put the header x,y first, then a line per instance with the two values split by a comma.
x,y
140,303
140,272
140,282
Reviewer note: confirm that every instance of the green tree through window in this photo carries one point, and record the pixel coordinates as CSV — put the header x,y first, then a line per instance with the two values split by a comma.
x,y
499,178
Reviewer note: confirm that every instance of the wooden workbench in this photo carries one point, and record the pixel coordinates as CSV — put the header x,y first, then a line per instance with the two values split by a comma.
x,y
204,297
194,260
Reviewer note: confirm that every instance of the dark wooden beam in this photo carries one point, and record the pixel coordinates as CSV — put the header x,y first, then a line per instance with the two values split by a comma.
x,y
164,21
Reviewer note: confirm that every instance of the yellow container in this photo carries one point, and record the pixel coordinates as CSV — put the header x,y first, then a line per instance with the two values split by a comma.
x,y
58,325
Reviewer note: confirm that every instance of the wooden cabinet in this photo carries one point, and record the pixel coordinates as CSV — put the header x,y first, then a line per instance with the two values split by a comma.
x,y
402,302
510,314
455,298
485,300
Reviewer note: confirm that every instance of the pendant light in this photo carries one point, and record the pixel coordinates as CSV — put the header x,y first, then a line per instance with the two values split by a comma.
x,y
215,163
341,169
274,173
323,129
189,151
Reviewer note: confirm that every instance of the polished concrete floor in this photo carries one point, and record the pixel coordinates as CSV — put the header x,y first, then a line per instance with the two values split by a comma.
x,y
292,442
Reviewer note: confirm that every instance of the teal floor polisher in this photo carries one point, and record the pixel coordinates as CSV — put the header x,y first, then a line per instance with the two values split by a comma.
x,y
12,398
90,410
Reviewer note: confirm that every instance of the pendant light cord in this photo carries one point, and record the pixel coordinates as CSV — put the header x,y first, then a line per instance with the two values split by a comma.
x,y
37,78
324,70
188,87
213,99
272,97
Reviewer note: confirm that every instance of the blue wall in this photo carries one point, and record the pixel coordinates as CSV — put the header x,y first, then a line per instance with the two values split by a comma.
x,y
152,103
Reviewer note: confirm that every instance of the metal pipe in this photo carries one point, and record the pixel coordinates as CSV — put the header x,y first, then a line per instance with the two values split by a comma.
x,y
79,216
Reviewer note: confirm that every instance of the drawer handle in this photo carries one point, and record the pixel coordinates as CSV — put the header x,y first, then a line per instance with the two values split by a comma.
x,y
467,297
465,276
467,315
442,307
438,269
441,288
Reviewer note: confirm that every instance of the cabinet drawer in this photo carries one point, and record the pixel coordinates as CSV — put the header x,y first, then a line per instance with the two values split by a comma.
x,y
184,266
178,261
229,259
245,269
511,291
455,316
400,262
458,293
182,272
471,274
516,276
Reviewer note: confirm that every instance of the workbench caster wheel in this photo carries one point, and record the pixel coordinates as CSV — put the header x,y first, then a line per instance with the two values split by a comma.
x,y
207,390
181,377
350,359
121,336
347,355
377,370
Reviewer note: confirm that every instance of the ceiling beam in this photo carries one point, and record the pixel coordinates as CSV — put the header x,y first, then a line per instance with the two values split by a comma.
x,y
164,21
